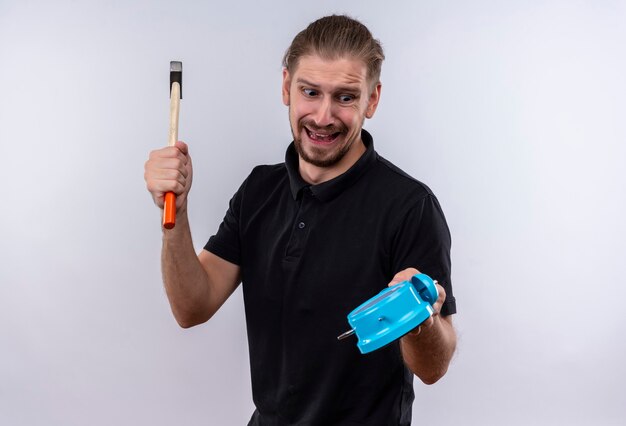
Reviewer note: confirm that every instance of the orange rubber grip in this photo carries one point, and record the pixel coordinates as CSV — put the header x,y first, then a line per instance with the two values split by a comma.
x,y
169,211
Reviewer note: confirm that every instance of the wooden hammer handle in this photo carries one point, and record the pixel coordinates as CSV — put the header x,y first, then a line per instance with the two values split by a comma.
x,y
169,207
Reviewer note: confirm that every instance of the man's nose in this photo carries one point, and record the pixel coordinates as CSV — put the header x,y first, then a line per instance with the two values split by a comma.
x,y
323,116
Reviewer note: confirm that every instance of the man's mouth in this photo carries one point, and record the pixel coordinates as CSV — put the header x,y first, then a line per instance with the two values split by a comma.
x,y
322,137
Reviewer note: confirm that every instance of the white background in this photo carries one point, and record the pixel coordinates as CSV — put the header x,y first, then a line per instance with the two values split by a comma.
x,y
512,112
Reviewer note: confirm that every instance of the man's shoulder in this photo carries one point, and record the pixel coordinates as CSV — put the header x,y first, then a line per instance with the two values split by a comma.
x,y
264,177
265,171
390,176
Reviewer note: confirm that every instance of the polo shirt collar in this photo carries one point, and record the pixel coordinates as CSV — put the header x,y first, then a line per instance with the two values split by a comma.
x,y
328,190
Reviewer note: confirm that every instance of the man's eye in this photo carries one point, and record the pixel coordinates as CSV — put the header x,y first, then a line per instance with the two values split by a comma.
x,y
346,98
310,92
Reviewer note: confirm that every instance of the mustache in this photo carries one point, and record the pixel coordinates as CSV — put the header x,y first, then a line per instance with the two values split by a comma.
x,y
332,128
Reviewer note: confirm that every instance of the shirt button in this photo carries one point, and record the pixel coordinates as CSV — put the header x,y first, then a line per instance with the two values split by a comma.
x,y
301,225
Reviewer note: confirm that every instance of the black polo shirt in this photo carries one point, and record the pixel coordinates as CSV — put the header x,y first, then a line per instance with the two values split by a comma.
x,y
309,254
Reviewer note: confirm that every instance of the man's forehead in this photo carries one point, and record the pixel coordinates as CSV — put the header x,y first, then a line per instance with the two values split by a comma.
x,y
316,70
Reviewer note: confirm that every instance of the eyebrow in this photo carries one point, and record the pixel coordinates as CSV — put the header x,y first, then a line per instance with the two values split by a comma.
x,y
354,88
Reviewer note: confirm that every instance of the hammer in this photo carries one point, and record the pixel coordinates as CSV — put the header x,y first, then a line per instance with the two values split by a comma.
x,y
176,94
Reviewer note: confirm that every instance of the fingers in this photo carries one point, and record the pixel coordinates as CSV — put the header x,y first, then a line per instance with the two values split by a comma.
x,y
423,326
182,146
441,291
416,331
159,187
169,170
179,152
404,275
407,274
440,300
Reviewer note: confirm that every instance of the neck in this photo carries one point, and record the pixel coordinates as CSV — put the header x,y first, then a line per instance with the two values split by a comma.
x,y
315,175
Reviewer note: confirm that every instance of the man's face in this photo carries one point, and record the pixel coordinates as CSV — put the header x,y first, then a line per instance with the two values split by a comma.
x,y
328,101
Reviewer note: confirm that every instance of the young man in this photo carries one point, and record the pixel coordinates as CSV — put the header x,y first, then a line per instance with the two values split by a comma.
x,y
311,239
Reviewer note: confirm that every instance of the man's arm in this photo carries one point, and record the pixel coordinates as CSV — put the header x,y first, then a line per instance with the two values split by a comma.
x,y
196,286
428,349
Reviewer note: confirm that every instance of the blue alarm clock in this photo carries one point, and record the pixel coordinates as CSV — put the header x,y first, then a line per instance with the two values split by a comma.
x,y
392,313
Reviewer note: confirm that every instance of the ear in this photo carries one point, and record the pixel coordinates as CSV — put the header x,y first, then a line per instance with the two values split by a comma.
x,y
286,86
372,102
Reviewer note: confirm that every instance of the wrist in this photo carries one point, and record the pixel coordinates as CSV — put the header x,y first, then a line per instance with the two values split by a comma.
x,y
181,222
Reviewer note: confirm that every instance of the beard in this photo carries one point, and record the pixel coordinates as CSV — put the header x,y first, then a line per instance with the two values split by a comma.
x,y
320,157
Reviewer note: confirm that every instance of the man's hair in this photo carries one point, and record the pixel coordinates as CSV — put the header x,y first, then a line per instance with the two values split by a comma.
x,y
334,37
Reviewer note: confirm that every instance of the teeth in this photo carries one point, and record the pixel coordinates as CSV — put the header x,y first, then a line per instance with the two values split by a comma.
x,y
320,136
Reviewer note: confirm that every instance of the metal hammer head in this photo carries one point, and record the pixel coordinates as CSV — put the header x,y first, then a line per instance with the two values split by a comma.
x,y
176,75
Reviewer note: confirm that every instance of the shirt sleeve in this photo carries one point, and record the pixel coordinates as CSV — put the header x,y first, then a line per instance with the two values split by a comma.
x,y
226,243
423,241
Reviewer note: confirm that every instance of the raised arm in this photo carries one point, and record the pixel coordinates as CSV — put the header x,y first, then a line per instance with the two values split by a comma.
x,y
196,286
